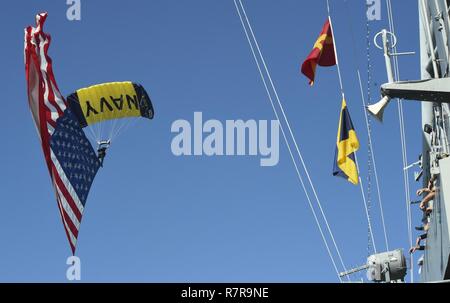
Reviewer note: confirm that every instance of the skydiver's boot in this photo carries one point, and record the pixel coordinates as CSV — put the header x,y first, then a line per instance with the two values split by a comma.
x,y
101,151
101,155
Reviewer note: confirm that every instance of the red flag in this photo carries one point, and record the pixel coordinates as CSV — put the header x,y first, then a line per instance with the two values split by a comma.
x,y
322,54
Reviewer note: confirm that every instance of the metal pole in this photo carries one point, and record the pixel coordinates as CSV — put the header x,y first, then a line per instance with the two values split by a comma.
x,y
387,56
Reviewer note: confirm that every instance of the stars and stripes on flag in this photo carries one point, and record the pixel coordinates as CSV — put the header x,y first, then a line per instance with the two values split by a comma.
x,y
322,54
346,145
70,158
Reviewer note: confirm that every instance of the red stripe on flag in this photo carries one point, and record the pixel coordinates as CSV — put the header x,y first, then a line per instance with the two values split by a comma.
x,y
72,246
70,223
51,77
66,194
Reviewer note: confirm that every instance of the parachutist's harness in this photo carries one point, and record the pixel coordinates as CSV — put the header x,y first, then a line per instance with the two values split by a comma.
x,y
101,150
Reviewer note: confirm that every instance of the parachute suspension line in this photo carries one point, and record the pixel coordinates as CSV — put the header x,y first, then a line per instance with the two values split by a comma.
x,y
91,134
100,130
403,140
89,130
252,47
112,124
123,127
96,130
118,128
369,221
113,129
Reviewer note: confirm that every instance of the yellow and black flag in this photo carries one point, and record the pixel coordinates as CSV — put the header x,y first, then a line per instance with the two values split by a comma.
x,y
346,146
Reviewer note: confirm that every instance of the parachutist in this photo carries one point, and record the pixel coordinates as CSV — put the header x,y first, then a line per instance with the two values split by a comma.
x,y
101,151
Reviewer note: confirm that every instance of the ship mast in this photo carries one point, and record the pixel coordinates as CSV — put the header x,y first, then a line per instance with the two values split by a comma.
x,y
433,90
434,55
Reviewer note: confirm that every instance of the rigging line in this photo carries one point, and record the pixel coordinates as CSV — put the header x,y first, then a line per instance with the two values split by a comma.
x,y
335,51
402,126
292,135
369,129
406,176
400,104
369,221
367,120
369,100
370,155
403,140
401,117
406,182
288,145
374,167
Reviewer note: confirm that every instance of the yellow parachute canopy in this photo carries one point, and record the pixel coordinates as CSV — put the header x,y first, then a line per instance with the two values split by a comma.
x,y
108,101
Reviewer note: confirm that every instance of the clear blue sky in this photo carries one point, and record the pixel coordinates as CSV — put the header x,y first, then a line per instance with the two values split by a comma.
x,y
154,217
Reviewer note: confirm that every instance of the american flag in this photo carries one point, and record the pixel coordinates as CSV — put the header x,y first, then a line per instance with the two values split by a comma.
x,y
70,158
